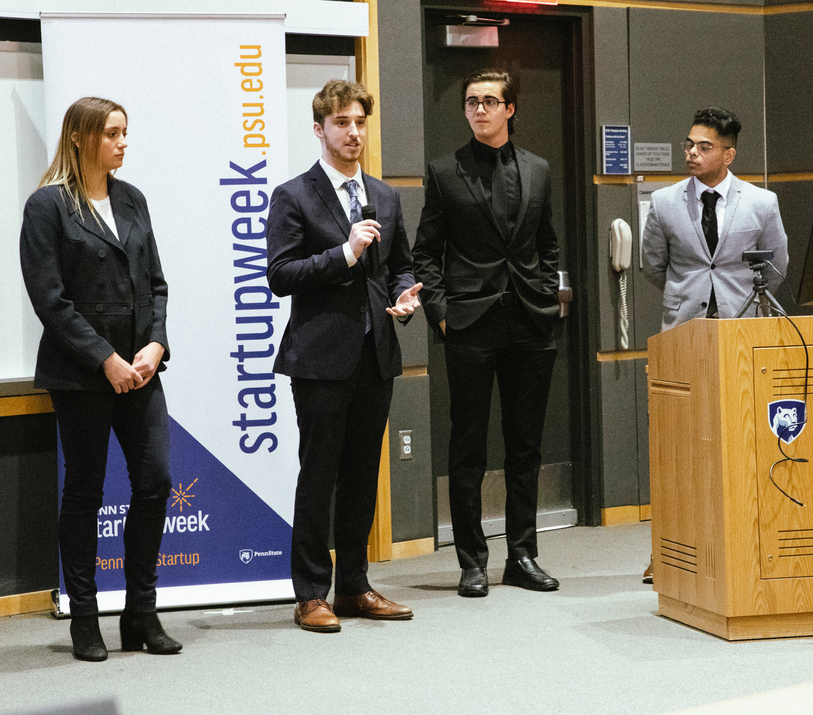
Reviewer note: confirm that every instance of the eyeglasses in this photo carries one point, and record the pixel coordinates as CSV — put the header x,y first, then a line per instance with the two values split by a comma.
x,y
702,147
490,104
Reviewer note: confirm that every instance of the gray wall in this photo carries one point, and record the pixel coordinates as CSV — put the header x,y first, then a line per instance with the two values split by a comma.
x,y
651,74
789,102
401,107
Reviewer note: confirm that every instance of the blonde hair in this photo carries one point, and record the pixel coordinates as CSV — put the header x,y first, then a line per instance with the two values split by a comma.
x,y
86,119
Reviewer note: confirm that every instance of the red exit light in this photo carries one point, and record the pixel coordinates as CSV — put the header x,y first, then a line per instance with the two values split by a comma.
x,y
533,2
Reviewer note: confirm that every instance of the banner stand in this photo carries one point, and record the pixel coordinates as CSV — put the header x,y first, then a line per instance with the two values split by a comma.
x,y
206,102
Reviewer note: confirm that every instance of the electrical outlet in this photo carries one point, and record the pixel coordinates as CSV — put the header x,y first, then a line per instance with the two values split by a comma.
x,y
405,440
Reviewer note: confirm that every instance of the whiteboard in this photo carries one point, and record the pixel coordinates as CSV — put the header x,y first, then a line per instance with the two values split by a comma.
x,y
23,158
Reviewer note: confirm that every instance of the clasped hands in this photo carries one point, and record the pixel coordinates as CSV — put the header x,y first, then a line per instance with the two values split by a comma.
x,y
125,377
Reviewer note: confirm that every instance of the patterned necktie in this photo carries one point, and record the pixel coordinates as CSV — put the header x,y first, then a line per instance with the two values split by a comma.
x,y
355,216
709,220
355,205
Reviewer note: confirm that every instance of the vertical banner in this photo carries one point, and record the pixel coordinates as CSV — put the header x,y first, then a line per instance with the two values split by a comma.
x,y
205,98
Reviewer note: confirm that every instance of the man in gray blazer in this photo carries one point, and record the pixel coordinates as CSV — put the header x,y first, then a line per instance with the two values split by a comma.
x,y
699,267
698,229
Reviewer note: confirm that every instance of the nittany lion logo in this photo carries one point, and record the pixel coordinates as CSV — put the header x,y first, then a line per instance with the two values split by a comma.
x,y
787,419
246,555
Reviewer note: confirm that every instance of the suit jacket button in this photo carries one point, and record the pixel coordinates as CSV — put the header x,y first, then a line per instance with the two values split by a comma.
x,y
713,266
101,254
363,309
99,307
704,305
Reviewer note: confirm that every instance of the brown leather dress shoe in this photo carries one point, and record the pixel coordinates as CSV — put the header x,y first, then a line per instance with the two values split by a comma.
x,y
648,573
371,605
316,615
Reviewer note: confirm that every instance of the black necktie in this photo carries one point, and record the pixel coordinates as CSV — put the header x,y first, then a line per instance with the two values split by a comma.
x,y
709,220
709,223
499,193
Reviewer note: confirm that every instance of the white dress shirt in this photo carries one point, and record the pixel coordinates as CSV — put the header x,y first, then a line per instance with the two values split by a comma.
x,y
337,180
722,188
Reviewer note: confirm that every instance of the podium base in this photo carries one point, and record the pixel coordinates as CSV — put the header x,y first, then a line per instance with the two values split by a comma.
x,y
740,628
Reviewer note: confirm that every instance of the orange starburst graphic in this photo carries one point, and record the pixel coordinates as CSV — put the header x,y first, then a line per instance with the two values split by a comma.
x,y
182,496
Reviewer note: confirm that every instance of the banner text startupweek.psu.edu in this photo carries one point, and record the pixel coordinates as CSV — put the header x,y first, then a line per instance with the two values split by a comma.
x,y
253,301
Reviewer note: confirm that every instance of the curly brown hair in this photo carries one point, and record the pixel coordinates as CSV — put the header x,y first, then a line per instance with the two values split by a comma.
x,y
338,94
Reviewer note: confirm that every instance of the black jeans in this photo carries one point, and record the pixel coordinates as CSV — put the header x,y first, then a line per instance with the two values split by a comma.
x,y
141,424
507,343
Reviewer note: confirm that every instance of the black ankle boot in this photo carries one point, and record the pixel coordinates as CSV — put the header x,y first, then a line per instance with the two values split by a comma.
x,y
87,639
140,628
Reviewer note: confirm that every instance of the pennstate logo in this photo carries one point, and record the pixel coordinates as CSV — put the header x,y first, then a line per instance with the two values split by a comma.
x,y
787,419
246,555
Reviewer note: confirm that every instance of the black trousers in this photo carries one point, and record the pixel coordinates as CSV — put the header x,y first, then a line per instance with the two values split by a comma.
x,y
341,425
140,422
507,343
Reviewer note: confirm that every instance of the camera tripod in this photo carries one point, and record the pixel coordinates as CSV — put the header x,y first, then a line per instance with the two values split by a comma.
x,y
760,294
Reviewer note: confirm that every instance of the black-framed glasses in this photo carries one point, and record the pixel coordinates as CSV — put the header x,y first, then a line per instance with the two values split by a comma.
x,y
702,147
490,104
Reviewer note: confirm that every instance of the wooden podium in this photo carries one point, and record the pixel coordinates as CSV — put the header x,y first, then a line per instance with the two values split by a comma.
x,y
733,556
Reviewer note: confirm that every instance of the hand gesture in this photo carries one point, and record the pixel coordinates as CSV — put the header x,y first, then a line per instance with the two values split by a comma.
x,y
407,302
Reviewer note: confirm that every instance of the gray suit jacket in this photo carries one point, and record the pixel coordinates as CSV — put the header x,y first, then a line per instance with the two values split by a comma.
x,y
677,258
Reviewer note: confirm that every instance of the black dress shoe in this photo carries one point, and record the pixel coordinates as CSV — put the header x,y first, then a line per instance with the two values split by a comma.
x,y
473,582
138,629
87,639
526,574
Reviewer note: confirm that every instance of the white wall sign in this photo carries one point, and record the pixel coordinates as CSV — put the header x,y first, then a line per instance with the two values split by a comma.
x,y
652,157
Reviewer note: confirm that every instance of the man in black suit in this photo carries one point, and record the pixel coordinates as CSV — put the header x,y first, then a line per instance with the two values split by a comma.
x,y
340,350
487,255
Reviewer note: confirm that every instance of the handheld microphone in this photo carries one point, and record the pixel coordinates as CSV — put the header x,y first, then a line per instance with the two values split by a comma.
x,y
373,259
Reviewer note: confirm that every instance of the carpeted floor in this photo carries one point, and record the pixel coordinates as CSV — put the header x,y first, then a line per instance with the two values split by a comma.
x,y
595,646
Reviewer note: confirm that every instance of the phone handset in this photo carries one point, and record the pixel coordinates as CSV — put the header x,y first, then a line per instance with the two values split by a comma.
x,y
620,245
620,256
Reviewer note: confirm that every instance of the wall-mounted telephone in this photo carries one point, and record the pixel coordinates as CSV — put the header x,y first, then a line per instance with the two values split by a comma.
x,y
620,245
620,257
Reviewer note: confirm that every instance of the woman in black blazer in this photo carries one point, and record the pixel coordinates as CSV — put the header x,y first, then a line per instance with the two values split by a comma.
x,y
92,272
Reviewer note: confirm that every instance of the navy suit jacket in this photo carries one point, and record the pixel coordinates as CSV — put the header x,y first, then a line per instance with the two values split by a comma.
x,y
307,228
462,255
95,295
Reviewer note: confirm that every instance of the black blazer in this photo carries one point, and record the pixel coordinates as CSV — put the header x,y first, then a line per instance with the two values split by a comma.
x,y
462,256
307,228
94,295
